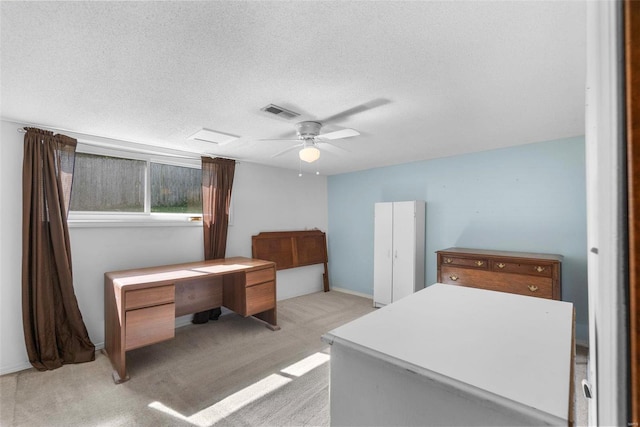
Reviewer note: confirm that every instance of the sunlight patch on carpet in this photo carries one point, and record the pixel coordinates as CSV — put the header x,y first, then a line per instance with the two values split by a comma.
x,y
233,403
227,406
307,364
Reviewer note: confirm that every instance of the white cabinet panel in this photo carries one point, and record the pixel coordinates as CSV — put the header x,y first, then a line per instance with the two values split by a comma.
x,y
398,250
382,253
404,257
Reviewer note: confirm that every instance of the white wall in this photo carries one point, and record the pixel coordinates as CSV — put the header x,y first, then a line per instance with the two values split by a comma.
x,y
526,198
264,199
13,354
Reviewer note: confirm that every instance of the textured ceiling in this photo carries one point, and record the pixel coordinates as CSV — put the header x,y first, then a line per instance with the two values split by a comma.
x,y
418,80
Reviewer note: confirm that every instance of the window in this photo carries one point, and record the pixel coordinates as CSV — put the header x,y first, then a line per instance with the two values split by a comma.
x,y
175,189
108,184
115,188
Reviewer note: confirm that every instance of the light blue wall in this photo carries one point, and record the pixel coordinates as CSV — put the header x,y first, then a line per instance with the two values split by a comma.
x,y
530,198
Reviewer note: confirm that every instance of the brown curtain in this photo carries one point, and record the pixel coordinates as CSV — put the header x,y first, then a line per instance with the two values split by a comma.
x,y
54,331
217,180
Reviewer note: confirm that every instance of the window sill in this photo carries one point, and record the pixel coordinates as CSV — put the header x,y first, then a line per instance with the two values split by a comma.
x,y
106,221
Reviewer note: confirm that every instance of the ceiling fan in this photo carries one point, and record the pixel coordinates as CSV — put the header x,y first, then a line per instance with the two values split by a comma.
x,y
311,140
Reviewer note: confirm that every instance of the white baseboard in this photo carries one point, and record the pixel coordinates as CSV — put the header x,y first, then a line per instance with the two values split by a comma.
x,y
183,320
5,370
15,368
349,291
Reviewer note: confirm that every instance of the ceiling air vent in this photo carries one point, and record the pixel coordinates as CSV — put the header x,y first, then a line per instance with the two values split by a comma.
x,y
280,112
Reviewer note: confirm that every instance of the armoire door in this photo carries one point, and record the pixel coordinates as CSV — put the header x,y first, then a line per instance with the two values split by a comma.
x,y
404,236
382,254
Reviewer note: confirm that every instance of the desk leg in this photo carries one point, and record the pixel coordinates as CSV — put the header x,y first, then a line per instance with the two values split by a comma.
x,y
270,319
114,332
117,378
119,373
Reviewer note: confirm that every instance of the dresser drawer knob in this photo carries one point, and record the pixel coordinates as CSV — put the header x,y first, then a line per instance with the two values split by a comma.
x,y
501,265
479,263
454,277
539,269
448,260
533,288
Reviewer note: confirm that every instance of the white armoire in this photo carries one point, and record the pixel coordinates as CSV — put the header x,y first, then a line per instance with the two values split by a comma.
x,y
398,250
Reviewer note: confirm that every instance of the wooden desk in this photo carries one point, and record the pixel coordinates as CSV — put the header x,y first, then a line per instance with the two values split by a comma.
x,y
455,356
140,305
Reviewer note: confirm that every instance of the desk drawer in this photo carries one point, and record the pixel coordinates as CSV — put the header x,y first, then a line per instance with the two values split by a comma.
x,y
149,297
260,276
261,298
149,325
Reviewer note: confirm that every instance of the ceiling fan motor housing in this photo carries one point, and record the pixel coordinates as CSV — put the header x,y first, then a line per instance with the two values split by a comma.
x,y
308,129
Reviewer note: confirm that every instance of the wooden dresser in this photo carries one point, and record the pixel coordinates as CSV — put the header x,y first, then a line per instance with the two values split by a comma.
x,y
521,273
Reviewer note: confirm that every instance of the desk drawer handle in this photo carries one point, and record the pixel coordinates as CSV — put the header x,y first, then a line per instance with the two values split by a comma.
x,y
479,263
539,269
454,277
501,265
448,260
533,288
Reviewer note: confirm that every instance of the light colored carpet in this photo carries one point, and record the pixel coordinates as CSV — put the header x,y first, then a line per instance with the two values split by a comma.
x,y
233,372
202,377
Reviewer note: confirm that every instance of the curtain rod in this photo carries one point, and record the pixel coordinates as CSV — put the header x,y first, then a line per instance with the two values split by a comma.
x,y
23,130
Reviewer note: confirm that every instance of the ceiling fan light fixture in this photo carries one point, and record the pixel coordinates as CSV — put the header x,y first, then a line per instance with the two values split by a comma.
x,y
309,154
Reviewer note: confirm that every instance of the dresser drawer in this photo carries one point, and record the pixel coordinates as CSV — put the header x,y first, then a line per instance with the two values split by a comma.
x,y
506,282
541,288
149,325
260,298
149,297
465,262
260,276
534,269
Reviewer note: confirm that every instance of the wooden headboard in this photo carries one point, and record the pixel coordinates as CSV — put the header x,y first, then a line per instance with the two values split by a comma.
x,y
289,249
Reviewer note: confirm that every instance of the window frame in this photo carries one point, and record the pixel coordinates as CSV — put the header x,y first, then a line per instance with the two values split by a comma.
x,y
135,219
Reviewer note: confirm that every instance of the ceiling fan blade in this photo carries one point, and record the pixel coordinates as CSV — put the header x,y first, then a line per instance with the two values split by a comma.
x,y
332,148
339,134
286,150
355,110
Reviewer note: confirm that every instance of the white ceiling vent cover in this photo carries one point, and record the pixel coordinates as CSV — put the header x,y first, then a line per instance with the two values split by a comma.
x,y
214,137
279,111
